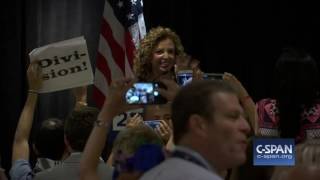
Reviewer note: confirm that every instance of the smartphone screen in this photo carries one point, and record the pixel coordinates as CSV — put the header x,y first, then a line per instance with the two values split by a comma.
x,y
184,77
153,123
213,76
144,93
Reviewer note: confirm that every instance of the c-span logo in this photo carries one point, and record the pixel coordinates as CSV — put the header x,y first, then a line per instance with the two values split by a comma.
x,y
273,152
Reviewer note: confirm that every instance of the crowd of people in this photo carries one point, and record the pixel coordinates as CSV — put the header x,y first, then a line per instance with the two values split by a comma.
x,y
203,132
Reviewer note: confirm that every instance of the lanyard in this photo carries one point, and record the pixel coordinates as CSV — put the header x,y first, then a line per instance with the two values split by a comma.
x,y
188,157
192,159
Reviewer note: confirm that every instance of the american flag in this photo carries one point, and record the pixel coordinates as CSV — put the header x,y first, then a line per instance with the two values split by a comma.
x,y
122,28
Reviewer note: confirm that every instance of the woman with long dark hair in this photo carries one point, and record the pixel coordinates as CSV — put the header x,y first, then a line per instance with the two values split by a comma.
x,y
295,110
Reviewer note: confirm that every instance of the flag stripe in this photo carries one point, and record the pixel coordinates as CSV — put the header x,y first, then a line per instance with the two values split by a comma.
x,y
129,72
98,96
129,48
105,51
116,27
141,27
116,49
101,83
122,28
103,67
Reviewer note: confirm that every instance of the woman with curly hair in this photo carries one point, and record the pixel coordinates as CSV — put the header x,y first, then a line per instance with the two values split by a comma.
x,y
155,58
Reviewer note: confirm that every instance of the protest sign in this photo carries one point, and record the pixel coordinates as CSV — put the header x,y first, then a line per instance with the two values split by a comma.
x,y
64,64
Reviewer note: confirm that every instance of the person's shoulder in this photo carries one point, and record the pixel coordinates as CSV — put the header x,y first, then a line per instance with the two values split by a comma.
x,y
174,168
21,169
21,163
45,174
60,170
311,118
316,102
268,117
105,166
161,171
267,109
105,171
266,101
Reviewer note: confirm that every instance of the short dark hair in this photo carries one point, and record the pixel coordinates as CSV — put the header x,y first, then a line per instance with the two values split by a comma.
x,y
49,139
195,99
78,126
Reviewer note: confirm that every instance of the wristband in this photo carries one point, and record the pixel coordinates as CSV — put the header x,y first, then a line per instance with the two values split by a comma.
x,y
82,103
100,123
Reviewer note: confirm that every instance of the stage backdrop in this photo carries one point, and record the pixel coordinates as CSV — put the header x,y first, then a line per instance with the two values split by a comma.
x,y
241,37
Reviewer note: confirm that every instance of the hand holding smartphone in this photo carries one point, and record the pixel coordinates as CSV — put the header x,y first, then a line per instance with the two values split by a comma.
x,y
184,77
153,123
145,93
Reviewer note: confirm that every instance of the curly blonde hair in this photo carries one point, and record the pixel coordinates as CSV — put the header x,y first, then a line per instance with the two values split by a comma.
x,y
143,55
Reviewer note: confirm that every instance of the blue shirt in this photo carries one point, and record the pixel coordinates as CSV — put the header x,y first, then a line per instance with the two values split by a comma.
x,y
21,170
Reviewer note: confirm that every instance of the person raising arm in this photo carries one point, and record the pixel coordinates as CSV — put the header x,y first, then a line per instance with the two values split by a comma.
x,y
245,100
20,155
114,105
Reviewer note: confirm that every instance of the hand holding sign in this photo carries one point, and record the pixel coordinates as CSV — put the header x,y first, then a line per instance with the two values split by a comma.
x,y
64,64
34,77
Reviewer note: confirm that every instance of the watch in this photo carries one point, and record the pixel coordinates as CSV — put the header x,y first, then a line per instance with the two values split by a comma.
x,y
100,123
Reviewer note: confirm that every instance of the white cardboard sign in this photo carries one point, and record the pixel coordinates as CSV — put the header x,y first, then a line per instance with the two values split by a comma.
x,y
64,64
120,121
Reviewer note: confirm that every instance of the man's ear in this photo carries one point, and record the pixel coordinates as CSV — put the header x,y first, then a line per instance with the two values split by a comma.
x,y
35,150
198,125
67,144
